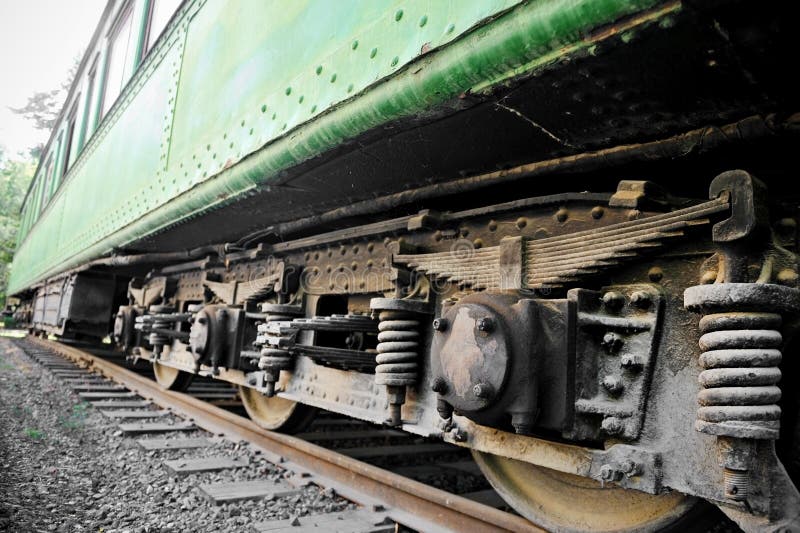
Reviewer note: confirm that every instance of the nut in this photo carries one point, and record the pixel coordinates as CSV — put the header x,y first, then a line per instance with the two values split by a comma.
x,y
483,391
609,473
612,342
440,324
612,425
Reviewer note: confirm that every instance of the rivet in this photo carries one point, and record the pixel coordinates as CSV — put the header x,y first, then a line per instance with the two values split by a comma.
x,y
450,28
395,61
633,214
423,20
350,88
477,243
598,212
333,78
655,274
562,215
398,15
439,385
613,385
613,300
492,225
373,53
354,45
640,299
300,100
288,91
263,109
522,222
319,70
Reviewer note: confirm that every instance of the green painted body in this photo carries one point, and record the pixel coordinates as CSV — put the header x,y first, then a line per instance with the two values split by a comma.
x,y
236,92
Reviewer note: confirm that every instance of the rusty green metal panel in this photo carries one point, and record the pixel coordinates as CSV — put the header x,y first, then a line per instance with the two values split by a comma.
x,y
241,90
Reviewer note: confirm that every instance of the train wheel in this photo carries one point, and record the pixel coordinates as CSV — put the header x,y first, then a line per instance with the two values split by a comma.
x,y
171,378
276,414
567,503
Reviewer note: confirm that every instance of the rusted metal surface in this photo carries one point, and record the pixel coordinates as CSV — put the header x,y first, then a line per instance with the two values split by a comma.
x,y
432,509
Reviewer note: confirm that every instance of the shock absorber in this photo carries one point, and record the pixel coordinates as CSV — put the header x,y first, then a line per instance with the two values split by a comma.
x,y
273,358
740,342
398,349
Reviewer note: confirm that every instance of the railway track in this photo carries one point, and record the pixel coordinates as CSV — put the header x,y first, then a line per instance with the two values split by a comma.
x,y
383,496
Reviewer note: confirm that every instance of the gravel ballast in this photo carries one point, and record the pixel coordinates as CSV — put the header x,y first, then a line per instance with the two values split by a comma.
x,y
66,467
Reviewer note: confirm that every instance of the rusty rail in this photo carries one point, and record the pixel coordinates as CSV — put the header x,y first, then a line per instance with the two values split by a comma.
x,y
408,502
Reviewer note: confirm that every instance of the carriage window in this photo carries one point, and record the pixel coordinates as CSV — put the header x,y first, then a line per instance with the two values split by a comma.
x,y
88,107
120,60
69,153
160,13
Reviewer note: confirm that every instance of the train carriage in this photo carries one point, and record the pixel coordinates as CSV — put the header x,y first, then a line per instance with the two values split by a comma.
x,y
561,233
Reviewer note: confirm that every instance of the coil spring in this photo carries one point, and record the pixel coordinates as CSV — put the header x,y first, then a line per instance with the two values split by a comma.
x,y
741,357
398,344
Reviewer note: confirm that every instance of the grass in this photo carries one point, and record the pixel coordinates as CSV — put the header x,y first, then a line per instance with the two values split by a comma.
x,y
34,433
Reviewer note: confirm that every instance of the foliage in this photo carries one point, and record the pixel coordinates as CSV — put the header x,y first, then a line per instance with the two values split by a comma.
x,y
15,175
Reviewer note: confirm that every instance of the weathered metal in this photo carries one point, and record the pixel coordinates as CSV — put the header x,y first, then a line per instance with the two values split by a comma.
x,y
419,506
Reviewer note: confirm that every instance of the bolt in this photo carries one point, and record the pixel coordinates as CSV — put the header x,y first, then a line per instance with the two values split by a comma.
x,y
562,215
641,299
439,385
613,300
522,222
483,391
609,473
631,468
597,212
736,483
613,385
485,325
612,425
440,324
631,362
612,342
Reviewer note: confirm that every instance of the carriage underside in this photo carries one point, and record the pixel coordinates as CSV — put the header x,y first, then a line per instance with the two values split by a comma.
x,y
451,276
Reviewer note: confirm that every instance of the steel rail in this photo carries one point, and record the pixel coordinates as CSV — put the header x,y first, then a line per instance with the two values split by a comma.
x,y
408,502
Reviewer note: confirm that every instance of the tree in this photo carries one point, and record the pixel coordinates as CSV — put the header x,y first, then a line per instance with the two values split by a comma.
x,y
15,176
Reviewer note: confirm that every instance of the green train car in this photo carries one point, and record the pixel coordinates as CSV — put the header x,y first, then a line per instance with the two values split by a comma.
x,y
561,233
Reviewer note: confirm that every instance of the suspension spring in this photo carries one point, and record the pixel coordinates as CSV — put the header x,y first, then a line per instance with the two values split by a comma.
x,y
741,341
273,359
157,338
741,357
398,350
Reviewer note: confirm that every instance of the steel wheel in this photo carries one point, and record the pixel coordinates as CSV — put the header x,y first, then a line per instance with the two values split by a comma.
x,y
276,414
567,503
171,378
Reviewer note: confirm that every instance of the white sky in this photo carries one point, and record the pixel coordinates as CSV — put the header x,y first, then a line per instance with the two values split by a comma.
x,y
39,40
